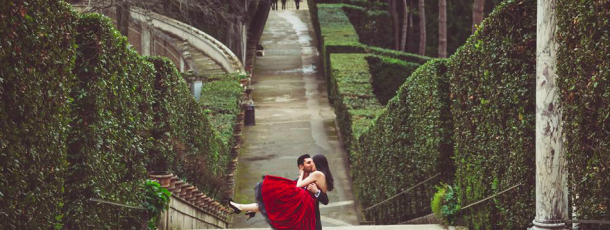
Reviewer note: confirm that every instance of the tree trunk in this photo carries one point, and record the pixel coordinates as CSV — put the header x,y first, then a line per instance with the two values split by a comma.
x,y
551,171
442,28
477,13
122,17
422,28
395,23
405,24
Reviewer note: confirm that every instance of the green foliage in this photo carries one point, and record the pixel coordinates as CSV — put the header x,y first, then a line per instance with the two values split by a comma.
x,y
355,104
374,27
336,34
445,203
387,75
84,116
156,200
493,98
185,141
220,97
451,205
584,82
36,59
437,201
112,117
408,142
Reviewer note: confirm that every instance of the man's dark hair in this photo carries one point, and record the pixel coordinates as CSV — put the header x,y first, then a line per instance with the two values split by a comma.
x,y
301,159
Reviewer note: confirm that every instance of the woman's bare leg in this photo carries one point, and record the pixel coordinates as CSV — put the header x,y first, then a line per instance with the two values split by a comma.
x,y
247,207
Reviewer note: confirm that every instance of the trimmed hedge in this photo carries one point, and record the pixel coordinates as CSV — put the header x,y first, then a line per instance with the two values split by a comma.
x,y
584,79
84,116
220,96
493,98
110,130
185,142
36,59
374,27
337,35
355,104
409,142
387,75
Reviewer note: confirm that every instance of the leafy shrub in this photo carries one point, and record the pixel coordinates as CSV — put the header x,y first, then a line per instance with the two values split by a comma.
x,y
408,142
156,200
437,201
110,130
387,75
584,79
445,203
493,98
36,59
220,96
185,142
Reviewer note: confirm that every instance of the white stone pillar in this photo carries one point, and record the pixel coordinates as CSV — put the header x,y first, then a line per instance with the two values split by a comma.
x,y
146,38
551,172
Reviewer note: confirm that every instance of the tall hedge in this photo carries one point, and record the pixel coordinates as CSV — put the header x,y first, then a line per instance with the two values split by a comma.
x,y
584,81
387,75
185,142
493,94
110,130
374,27
354,101
409,142
336,34
36,59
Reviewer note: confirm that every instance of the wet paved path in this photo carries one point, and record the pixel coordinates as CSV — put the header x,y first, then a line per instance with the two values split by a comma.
x,y
293,117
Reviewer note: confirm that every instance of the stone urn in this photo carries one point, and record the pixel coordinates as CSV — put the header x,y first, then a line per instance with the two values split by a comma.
x,y
164,178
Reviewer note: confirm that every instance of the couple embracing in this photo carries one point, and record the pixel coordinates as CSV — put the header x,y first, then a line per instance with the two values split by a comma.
x,y
292,204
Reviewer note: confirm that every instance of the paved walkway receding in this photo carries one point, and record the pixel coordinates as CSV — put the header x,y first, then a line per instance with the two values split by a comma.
x,y
293,117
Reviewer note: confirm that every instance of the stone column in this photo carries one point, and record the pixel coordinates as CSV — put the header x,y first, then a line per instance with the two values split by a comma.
x,y
147,27
551,172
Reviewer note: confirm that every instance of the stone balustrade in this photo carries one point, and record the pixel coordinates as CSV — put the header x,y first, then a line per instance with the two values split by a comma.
x,y
212,48
189,208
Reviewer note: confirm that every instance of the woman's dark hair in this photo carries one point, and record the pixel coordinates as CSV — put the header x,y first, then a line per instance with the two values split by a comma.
x,y
322,166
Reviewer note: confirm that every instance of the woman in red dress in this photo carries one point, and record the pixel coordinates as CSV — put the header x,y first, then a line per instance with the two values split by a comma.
x,y
285,203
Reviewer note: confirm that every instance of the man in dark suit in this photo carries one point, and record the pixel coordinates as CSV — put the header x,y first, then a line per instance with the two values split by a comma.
x,y
305,162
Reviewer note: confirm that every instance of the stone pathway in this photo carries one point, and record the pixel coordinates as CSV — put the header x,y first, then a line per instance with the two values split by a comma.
x,y
293,117
384,227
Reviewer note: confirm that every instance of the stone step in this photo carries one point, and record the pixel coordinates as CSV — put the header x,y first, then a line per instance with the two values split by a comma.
x,y
212,71
380,227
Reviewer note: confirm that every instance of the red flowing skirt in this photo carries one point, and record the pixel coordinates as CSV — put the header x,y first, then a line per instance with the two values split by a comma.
x,y
286,206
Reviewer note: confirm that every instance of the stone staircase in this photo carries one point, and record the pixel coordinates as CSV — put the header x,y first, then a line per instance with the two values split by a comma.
x,y
202,64
380,227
